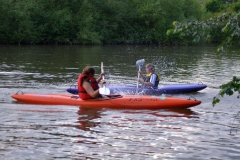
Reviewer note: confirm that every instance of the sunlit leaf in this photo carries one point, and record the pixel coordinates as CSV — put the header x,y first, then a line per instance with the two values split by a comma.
x,y
219,49
169,32
174,23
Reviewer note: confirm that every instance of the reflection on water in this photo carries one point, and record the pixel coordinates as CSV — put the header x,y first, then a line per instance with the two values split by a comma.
x,y
68,132
129,127
86,117
235,124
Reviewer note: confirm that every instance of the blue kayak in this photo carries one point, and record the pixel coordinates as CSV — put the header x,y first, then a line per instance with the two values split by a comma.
x,y
162,89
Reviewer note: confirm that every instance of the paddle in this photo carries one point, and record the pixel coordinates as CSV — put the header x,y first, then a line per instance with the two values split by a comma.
x,y
139,65
103,90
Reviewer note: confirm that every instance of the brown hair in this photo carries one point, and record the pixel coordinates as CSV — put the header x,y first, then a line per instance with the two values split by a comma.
x,y
151,67
88,70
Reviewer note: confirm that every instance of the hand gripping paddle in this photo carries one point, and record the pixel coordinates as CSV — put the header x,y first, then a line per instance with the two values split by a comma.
x,y
103,90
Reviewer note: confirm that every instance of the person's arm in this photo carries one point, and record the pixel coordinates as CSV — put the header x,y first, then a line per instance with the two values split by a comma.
x,y
143,77
86,85
152,81
100,77
145,83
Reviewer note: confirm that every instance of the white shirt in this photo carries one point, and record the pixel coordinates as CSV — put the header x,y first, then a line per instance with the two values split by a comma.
x,y
153,79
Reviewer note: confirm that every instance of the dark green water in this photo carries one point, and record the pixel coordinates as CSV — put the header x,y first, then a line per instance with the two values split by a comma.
x,y
66,132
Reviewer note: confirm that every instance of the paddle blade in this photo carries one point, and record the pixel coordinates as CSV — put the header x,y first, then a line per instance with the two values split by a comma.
x,y
140,63
104,90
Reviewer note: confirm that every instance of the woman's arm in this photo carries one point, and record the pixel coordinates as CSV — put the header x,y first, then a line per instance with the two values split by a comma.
x,y
100,77
86,85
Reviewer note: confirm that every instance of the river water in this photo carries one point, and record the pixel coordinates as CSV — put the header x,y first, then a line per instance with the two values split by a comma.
x,y
31,131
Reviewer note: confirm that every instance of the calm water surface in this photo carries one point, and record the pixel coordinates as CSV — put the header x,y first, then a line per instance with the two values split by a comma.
x,y
66,132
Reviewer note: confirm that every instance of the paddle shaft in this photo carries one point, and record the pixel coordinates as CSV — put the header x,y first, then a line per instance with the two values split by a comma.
x,y
139,64
139,69
103,90
102,70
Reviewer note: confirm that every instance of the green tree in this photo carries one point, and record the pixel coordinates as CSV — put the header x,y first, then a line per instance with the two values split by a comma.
x,y
225,25
214,6
92,21
16,22
237,7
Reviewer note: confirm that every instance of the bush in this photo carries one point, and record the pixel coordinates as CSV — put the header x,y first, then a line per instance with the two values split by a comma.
x,y
92,21
236,7
214,6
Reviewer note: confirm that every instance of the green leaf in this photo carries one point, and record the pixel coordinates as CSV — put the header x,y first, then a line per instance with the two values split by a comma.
x,y
215,101
220,49
174,23
169,32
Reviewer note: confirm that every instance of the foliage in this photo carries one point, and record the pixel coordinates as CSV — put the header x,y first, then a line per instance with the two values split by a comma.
x,y
92,21
228,89
214,6
237,7
224,29
232,31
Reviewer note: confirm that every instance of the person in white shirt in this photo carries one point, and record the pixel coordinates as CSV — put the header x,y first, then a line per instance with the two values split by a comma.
x,y
151,79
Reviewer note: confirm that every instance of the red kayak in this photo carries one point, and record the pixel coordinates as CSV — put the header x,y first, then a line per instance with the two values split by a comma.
x,y
109,101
